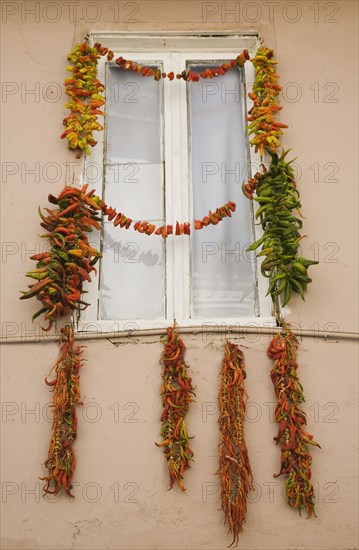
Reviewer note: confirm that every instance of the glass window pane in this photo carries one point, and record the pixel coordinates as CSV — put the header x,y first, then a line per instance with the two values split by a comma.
x,y
132,277
132,267
133,117
222,274
136,189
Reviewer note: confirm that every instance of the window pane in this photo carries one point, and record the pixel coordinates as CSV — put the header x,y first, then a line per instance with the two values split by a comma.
x,y
222,274
132,269
132,275
133,117
137,189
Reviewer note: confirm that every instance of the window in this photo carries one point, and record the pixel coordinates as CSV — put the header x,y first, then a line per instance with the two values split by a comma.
x,y
173,151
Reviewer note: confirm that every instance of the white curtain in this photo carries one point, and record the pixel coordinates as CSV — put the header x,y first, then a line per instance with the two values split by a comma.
x,y
222,272
132,268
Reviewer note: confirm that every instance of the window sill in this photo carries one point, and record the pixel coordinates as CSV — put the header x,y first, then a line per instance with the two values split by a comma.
x,y
139,328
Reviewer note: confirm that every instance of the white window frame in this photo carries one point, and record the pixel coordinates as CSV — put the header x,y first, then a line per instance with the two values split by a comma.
x,y
193,47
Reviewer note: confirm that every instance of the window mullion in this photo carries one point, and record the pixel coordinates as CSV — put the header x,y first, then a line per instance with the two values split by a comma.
x,y
264,302
180,192
170,199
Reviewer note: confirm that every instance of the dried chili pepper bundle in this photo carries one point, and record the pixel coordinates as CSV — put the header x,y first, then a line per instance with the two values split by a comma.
x,y
275,190
294,440
61,459
86,97
262,115
177,392
279,200
61,271
235,472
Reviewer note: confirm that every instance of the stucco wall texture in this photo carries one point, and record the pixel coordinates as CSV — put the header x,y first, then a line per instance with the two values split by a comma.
x,y
121,479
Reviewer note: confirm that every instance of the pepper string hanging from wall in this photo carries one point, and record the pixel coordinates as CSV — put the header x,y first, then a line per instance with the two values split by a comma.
x,y
274,189
294,440
60,273
276,192
234,468
177,392
61,459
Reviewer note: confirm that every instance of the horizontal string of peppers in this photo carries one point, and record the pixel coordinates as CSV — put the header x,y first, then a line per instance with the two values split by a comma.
x,y
187,76
213,218
235,472
293,439
61,459
177,392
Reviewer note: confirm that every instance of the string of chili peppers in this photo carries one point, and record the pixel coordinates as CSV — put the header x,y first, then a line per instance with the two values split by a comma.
x,y
86,97
213,218
275,190
293,439
61,461
265,90
187,76
61,270
234,468
177,392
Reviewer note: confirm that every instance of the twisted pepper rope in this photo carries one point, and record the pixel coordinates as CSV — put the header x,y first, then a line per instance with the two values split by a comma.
x,y
294,440
235,472
61,270
261,116
278,197
176,394
61,459
86,97
275,190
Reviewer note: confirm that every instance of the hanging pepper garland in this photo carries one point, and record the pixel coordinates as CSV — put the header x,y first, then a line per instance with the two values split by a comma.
x,y
177,392
85,91
213,218
278,196
70,259
294,440
234,468
187,76
275,189
276,192
61,459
